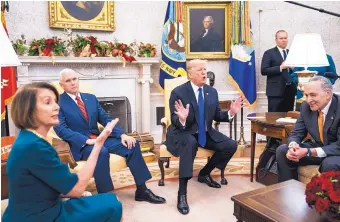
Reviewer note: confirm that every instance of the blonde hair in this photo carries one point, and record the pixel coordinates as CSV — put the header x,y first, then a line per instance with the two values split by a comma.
x,y
192,63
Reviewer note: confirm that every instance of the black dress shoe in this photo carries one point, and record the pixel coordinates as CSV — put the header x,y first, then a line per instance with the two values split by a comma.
x,y
209,181
150,197
182,204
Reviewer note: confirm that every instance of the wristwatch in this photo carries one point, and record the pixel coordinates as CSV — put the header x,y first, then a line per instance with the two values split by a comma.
x,y
309,153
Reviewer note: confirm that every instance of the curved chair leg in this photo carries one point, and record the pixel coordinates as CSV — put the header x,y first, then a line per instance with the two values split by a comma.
x,y
161,161
223,179
167,162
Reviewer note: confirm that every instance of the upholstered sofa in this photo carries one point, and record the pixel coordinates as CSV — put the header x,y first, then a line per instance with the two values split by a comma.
x,y
305,173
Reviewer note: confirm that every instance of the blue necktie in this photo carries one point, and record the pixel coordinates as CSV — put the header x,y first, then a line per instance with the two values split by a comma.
x,y
284,54
202,139
284,58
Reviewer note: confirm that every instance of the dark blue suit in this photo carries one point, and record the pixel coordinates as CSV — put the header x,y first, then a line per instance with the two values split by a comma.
x,y
182,141
279,90
74,129
307,122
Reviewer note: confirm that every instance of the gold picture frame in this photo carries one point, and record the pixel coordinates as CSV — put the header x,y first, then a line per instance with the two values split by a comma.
x,y
88,15
197,45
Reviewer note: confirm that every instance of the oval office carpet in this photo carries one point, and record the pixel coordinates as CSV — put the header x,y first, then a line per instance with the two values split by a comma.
x,y
123,178
206,204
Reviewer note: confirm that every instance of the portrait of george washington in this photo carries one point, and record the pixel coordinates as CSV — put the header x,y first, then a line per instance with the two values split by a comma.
x,y
83,10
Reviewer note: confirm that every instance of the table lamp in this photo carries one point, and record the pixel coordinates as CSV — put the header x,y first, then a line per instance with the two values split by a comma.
x,y
8,57
306,51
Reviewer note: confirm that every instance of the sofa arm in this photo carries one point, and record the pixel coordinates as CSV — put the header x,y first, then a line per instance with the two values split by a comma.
x,y
64,152
164,122
100,127
216,125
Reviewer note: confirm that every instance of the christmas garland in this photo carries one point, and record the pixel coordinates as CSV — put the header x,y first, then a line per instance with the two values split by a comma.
x,y
83,46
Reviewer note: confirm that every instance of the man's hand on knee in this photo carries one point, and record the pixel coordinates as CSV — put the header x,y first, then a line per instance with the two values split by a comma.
x,y
128,141
296,153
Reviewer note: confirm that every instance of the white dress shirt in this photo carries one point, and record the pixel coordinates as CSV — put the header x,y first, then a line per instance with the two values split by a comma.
x,y
206,33
281,52
319,151
73,97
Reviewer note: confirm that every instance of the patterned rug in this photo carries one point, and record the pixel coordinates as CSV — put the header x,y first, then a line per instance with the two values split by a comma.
x,y
123,178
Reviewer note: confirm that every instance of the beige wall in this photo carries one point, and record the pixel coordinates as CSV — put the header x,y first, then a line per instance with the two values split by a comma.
x,y
144,20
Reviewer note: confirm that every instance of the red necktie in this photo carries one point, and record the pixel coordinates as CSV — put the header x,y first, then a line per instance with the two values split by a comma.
x,y
82,108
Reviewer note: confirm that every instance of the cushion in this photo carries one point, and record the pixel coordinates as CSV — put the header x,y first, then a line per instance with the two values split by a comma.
x,y
307,172
116,163
169,85
201,152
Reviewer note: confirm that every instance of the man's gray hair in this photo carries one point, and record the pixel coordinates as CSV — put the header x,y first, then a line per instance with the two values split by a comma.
x,y
64,71
325,83
210,18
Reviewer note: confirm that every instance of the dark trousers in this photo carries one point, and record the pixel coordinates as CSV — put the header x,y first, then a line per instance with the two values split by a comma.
x,y
224,151
297,106
283,103
287,169
134,161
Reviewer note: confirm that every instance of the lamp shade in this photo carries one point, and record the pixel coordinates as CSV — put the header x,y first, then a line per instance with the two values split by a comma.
x,y
307,51
8,57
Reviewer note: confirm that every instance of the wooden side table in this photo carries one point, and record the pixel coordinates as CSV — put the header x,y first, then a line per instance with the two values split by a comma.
x,y
6,144
265,124
280,202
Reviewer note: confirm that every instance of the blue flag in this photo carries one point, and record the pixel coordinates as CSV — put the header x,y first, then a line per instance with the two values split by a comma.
x,y
242,72
173,63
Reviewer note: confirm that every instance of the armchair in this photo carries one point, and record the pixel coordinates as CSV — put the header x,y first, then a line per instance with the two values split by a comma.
x,y
116,162
165,155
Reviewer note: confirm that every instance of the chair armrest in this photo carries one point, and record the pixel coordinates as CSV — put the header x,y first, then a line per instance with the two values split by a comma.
x,y
100,127
164,122
216,125
64,152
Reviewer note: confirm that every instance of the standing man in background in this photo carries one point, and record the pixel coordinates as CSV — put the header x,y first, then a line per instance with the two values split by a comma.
x,y
280,88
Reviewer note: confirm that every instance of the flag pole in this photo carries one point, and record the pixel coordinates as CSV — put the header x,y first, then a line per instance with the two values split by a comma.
x,y
241,142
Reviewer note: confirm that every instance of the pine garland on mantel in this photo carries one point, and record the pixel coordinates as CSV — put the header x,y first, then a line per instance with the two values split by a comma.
x,y
83,46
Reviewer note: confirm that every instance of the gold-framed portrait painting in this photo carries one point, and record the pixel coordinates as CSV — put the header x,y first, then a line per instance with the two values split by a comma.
x,y
89,15
207,27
